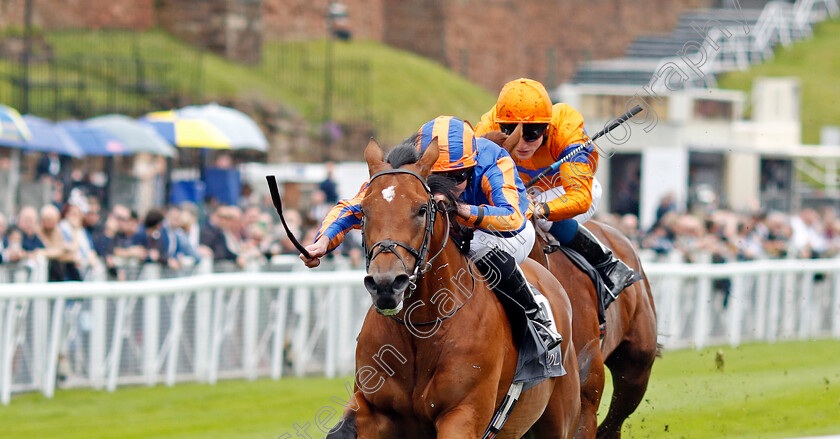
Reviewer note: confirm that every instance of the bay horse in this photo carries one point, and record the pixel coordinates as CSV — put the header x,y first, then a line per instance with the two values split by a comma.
x,y
629,346
436,354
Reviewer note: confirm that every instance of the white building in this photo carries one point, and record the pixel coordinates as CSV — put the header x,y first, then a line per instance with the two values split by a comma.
x,y
697,144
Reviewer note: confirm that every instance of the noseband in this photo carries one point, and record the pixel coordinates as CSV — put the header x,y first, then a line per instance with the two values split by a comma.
x,y
390,246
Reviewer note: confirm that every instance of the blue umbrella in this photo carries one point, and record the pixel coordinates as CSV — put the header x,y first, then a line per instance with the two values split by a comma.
x,y
94,141
47,137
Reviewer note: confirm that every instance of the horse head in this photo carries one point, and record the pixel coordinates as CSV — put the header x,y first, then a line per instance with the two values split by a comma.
x,y
398,221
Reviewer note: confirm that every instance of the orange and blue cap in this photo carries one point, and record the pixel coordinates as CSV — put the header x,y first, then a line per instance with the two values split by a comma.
x,y
456,141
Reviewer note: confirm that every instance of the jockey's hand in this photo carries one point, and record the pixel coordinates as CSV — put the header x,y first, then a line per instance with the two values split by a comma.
x,y
316,250
441,197
463,210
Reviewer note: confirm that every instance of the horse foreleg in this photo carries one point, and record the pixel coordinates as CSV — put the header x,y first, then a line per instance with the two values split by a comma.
x,y
369,424
591,368
630,371
460,422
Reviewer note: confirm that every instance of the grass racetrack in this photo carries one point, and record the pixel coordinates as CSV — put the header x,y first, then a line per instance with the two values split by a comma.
x,y
780,390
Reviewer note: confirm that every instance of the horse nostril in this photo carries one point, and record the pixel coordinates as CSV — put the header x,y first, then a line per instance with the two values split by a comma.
x,y
370,284
400,283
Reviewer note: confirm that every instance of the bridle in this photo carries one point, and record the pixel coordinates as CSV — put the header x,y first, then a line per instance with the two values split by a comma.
x,y
421,265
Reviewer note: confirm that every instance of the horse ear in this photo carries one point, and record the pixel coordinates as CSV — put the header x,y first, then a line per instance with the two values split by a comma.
x,y
513,139
374,156
429,158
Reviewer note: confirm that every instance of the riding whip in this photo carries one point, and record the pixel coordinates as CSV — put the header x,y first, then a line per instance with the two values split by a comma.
x,y
275,198
623,118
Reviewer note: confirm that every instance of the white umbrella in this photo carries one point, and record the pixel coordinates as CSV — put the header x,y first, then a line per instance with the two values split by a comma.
x,y
137,137
242,131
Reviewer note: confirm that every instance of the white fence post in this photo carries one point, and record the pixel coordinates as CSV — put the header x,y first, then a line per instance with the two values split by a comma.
x,y
703,313
115,356
97,367
806,298
775,307
151,334
54,346
277,353
250,330
40,349
736,310
331,356
8,352
760,308
301,307
179,303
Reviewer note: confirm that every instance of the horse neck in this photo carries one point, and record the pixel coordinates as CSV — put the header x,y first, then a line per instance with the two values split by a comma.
x,y
450,273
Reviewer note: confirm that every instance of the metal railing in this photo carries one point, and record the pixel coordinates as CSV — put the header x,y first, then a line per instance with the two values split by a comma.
x,y
250,324
735,47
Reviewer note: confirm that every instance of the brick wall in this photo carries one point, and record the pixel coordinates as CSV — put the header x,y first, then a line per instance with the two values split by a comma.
x,y
231,28
89,14
494,41
488,41
303,19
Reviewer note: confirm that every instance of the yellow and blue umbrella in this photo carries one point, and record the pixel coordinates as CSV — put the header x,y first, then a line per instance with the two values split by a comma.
x,y
186,132
242,131
12,126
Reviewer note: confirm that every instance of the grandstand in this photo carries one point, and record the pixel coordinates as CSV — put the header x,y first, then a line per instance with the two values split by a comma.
x,y
731,38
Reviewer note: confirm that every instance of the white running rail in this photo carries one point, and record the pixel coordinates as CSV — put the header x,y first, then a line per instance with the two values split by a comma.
x,y
252,324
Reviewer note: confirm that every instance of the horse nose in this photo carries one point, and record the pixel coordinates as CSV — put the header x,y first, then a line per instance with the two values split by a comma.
x,y
386,284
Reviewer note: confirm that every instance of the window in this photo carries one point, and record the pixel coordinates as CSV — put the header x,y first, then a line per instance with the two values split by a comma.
x,y
612,106
707,109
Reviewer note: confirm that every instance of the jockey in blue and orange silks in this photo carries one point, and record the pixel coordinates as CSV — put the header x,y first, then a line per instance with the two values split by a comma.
x,y
568,197
490,199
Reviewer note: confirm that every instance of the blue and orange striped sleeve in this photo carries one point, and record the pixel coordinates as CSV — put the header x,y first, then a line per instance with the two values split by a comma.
x,y
504,214
345,216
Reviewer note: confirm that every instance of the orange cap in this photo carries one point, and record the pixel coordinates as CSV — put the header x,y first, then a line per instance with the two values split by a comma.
x,y
523,100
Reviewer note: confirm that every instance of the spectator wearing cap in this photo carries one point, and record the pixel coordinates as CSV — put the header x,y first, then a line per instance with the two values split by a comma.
x,y
104,241
126,229
8,253
150,243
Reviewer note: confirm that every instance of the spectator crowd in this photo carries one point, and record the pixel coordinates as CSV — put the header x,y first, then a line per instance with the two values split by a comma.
x,y
82,240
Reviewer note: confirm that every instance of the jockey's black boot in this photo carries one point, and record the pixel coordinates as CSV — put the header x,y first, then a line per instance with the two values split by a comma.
x,y
505,276
615,273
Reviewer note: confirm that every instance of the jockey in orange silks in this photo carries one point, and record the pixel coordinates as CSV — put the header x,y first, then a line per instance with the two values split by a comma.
x,y
568,197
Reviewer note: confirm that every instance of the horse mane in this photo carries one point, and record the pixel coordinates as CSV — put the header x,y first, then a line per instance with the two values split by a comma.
x,y
446,186
405,153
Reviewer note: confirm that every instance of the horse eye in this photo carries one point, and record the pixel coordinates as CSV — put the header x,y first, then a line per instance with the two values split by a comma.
x,y
422,211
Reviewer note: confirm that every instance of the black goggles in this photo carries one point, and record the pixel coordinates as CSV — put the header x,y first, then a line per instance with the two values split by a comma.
x,y
530,131
459,176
